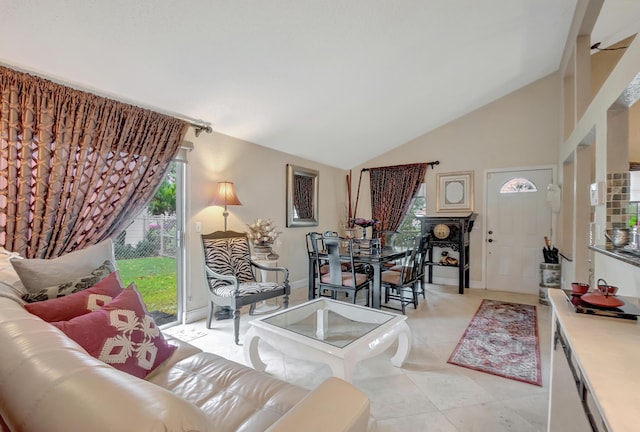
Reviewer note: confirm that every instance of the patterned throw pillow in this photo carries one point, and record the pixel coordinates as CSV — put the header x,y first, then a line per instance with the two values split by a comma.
x,y
37,274
229,256
121,334
79,303
70,287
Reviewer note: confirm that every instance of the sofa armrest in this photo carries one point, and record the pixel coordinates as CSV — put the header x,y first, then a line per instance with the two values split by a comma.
x,y
334,405
49,383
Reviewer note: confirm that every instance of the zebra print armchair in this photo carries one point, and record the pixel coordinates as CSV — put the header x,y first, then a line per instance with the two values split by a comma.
x,y
231,275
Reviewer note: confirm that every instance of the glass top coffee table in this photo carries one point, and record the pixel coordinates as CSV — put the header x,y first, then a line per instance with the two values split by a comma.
x,y
332,332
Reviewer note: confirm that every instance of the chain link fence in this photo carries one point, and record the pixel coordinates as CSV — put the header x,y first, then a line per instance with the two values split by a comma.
x,y
147,236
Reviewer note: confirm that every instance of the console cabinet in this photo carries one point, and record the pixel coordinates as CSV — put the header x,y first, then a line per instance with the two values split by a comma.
x,y
449,233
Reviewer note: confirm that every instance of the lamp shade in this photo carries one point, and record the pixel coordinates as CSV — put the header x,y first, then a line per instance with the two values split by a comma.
x,y
225,195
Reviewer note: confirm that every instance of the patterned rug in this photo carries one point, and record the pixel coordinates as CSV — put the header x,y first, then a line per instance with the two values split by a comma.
x,y
183,333
502,339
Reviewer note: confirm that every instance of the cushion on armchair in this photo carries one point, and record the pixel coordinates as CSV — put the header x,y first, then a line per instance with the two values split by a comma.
x,y
228,256
245,289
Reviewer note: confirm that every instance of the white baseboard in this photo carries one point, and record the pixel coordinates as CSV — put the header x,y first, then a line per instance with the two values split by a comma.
x,y
454,282
302,283
196,314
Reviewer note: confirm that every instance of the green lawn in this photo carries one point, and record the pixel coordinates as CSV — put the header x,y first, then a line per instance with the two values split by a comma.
x,y
155,278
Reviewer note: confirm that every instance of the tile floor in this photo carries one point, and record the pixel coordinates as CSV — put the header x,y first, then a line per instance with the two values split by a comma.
x,y
427,393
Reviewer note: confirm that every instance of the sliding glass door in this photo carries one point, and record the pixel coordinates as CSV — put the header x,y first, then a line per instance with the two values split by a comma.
x,y
150,252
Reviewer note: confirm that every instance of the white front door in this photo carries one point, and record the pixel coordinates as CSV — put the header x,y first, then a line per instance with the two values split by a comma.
x,y
518,218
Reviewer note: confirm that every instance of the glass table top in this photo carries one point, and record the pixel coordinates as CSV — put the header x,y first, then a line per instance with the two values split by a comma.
x,y
329,321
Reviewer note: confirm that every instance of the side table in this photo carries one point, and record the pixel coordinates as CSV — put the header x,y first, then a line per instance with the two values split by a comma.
x,y
263,307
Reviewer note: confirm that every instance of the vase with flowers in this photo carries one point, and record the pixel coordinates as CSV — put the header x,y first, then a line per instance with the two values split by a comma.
x,y
364,224
262,234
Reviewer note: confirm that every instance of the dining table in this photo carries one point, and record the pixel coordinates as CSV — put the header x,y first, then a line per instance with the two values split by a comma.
x,y
375,257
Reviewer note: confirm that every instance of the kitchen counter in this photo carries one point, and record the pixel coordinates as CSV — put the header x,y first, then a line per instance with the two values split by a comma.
x,y
607,351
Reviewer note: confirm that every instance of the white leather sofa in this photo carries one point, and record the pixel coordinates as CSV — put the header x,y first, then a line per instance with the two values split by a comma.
x,y
49,383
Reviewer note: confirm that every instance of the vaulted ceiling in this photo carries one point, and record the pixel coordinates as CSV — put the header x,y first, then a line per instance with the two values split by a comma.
x,y
308,77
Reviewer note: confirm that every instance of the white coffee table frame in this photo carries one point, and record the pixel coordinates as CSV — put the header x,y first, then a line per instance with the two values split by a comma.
x,y
341,360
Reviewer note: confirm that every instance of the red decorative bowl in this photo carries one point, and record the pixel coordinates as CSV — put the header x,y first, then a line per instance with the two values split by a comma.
x,y
579,288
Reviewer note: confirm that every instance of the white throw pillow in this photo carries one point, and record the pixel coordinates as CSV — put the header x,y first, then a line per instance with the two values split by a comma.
x,y
72,286
10,284
38,274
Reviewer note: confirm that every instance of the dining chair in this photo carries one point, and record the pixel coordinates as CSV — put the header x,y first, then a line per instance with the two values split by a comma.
x,y
423,250
231,275
400,284
343,275
320,266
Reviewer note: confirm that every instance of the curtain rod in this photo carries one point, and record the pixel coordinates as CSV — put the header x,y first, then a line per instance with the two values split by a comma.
x,y
198,125
432,164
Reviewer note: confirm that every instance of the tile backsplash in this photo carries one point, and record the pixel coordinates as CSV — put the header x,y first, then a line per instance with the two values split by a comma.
x,y
618,189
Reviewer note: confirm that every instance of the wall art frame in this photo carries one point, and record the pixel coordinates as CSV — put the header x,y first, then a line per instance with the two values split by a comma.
x,y
302,196
454,192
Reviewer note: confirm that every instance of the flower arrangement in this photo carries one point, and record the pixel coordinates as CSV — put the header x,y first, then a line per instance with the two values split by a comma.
x,y
364,223
262,232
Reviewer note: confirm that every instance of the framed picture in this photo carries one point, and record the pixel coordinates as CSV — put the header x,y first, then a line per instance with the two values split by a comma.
x,y
454,192
302,196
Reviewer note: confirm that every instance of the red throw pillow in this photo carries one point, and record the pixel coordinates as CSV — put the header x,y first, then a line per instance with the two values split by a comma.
x,y
121,334
78,303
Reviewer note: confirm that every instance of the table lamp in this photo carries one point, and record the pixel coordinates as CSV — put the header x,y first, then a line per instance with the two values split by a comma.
x,y
225,195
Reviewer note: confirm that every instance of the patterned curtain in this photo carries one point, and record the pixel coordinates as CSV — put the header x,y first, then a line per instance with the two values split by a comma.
x,y
392,188
75,168
303,196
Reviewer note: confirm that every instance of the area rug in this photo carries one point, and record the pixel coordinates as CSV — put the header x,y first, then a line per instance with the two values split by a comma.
x,y
502,339
185,334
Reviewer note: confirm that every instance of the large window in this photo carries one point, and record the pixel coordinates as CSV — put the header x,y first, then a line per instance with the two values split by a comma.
x,y
410,226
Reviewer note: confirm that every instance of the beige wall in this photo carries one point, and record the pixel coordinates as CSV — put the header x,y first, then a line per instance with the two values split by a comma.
x,y
518,130
634,132
259,175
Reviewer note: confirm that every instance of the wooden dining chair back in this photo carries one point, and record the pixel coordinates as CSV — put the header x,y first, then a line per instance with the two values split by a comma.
x,y
400,284
422,263
343,275
320,266
230,275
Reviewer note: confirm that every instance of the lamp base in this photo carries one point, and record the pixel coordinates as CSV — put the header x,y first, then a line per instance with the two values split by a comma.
x,y
225,313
